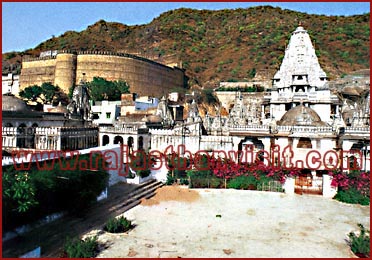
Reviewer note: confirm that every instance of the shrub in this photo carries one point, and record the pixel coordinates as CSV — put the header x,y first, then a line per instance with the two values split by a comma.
x,y
352,196
215,182
198,182
184,181
170,179
360,244
78,248
118,225
209,97
141,163
243,182
144,173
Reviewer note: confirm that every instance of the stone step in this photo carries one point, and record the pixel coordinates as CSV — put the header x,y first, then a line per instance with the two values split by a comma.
x,y
145,191
146,195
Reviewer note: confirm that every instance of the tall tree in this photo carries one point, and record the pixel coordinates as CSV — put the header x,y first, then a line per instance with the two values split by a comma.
x,y
102,89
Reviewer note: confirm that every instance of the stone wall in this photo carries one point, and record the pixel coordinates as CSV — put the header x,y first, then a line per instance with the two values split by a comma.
x,y
36,72
144,76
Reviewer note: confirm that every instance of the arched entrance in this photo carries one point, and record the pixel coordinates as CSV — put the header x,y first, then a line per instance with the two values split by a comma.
x,y
105,140
118,140
247,141
140,143
21,136
304,142
130,143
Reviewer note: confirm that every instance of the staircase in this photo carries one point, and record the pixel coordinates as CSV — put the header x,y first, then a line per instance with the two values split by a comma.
x,y
143,191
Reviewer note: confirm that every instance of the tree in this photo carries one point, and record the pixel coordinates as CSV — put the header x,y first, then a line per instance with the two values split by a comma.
x,y
44,94
49,91
102,89
209,97
32,93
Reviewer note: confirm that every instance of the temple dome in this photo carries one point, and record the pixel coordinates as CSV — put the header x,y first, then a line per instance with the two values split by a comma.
x,y
351,91
153,119
12,103
301,116
59,109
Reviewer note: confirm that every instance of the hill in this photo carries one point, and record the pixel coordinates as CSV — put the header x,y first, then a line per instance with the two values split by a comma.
x,y
223,45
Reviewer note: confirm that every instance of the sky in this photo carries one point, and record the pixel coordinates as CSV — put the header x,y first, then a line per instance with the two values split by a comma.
x,y
27,24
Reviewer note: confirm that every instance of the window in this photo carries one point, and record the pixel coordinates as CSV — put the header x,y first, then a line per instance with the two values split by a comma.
x,y
304,143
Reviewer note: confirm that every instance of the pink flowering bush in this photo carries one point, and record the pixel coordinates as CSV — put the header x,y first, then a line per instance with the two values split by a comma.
x,y
254,173
353,187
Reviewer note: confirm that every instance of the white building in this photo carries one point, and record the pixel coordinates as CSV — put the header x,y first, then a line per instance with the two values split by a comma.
x,y
10,84
105,112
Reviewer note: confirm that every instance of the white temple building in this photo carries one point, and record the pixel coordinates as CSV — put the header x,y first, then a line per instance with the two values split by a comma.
x,y
300,79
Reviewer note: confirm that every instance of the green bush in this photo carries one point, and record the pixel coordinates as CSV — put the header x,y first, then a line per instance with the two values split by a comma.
x,y
170,179
352,196
198,182
360,244
118,225
215,182
144,173
184,181
243,182
77,248
205,182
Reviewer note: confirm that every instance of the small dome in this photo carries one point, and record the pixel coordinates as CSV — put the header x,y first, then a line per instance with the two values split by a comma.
x,y
58,109
154,119
301,116
12,103
351,91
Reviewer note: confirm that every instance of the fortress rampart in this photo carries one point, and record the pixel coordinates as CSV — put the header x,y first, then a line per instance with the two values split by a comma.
x,y
144,76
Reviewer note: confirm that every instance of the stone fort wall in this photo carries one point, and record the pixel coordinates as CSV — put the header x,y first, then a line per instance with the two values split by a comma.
x,y
144,76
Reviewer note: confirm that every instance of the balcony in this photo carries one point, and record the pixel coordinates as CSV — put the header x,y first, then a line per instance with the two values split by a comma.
x,y
300,96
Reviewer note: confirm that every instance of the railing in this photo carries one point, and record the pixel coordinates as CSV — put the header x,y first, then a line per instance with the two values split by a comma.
x,y
274,186
357,130
161,132
250,128
305,129
112,129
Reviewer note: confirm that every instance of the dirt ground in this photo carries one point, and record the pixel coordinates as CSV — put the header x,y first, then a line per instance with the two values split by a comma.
x,y
167,193
178,222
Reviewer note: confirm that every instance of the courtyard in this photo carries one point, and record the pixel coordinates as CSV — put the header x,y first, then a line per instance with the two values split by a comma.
x,y
178,222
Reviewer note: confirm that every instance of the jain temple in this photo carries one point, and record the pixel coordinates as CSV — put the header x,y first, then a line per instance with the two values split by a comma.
x,y
296,119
